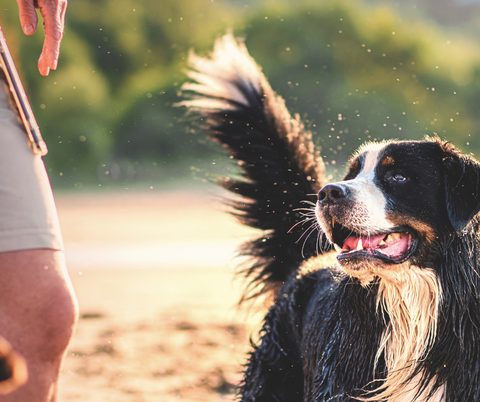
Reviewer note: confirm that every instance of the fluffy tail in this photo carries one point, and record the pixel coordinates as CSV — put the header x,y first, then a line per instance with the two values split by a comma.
x,y
231,99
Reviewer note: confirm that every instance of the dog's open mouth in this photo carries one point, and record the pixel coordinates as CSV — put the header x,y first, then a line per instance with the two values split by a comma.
x,y
393,247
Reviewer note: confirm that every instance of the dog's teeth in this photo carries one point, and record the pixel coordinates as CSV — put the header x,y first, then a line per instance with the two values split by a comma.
x,y
360,245
337,248
390,237
333,221
382,243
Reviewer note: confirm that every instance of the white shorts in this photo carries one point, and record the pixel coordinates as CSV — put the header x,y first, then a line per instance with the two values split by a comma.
x,y
28,216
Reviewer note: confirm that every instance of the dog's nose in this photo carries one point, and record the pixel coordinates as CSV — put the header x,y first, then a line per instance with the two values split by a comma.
x,y
331,194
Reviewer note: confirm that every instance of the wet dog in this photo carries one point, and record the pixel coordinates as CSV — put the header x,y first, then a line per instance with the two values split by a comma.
x,y
396,315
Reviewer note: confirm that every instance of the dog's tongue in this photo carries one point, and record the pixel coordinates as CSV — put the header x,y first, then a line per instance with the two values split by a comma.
x,y
395,245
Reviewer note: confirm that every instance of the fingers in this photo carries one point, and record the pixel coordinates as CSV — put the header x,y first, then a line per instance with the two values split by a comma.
x,y
53,12
43,63
28,16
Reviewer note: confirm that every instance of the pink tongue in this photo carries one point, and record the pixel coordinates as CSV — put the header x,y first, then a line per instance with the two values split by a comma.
x,y
394,248
398,247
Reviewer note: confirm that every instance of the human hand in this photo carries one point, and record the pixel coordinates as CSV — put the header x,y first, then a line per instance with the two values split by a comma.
x,y
53,13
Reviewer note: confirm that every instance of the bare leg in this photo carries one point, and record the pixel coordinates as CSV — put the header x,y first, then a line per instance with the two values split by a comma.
x,y
38,313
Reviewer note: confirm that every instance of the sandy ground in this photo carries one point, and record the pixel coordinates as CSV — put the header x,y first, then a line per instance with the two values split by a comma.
x,y
153,273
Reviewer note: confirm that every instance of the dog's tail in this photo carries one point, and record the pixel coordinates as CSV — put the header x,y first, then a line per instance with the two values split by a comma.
x,y
230,98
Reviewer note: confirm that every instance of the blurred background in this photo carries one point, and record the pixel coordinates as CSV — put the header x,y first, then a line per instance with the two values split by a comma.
x,y
148,245
355,70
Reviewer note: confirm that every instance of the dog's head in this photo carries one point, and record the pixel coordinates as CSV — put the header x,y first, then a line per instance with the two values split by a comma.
x,y
394,203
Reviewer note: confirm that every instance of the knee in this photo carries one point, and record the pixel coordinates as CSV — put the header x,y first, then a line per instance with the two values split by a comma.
x,y
55,324
49,324
38,308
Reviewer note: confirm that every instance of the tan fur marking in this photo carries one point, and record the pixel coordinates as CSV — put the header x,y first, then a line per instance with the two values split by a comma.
x,y
421,227
354,165
388,161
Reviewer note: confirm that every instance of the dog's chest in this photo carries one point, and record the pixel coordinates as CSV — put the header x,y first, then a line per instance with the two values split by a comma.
x,y
412,390
343,347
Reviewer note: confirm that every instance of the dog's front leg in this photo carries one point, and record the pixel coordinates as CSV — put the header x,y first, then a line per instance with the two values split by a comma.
x,y
275,368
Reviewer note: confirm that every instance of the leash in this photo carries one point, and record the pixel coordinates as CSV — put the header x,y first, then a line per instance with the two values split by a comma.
x,y
35,139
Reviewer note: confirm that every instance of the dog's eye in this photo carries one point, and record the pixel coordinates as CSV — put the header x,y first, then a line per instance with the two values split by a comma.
x,y
398,177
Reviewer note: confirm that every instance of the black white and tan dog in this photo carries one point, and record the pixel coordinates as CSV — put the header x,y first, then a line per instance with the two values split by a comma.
x,y
382,302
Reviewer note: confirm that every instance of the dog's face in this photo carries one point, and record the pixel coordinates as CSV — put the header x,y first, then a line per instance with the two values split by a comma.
x,y
392,205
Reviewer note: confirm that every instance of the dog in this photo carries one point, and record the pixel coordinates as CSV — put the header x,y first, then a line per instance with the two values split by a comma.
x,y
376,284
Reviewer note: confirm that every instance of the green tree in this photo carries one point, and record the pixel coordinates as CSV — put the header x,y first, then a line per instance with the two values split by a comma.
x,y
355,71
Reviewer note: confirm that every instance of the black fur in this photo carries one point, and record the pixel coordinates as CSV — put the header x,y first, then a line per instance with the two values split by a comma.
x,y
321,335
279,172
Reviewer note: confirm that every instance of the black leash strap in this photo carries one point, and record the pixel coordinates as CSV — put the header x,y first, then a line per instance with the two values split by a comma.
x,y
35,139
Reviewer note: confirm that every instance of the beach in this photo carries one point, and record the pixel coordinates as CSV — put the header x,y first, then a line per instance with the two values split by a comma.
x,y
154,275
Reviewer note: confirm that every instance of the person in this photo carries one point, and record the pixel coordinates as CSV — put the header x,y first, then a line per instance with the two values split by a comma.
x,y
38,309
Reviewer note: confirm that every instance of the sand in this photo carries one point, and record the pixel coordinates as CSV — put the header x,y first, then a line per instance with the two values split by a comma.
x,y
153,273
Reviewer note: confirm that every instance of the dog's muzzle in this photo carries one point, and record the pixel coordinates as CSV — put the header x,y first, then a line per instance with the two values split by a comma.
x,y
392,245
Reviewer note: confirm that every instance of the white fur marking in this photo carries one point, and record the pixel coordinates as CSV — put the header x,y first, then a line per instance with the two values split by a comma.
x,y
369,214
368,194
410,296
371,159
217,76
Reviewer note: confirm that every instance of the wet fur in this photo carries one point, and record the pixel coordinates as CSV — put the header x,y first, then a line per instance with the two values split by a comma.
x,y
396,332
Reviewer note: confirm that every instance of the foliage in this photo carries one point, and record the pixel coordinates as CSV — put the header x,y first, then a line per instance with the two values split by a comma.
x,y
358,71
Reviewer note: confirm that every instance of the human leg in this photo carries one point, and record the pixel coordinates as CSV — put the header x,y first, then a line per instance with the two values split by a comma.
x,y
38,312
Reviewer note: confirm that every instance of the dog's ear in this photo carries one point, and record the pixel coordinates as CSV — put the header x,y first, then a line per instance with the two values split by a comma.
x,y
462,188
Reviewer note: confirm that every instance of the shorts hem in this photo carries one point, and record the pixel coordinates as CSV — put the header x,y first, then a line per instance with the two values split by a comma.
x,y
30,241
